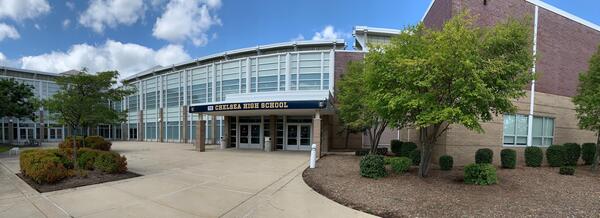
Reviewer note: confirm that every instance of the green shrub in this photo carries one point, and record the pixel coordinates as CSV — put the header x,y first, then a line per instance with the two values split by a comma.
x,y
68,142
588,150
555,155
567,170
365,151
446,162
484,155
86,158
42,165
572,153
480,174
407,148
508,157
372,166
415,156
98,143
111,162
396,146
533,156
400,164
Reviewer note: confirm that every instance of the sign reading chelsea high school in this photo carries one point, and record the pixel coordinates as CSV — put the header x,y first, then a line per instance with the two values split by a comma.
x,y
267,105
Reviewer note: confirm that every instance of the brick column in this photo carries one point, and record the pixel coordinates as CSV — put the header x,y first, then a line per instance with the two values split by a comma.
x,y
161,125
184,121
200,134
316,136
213,129
140,126
42,127
273,131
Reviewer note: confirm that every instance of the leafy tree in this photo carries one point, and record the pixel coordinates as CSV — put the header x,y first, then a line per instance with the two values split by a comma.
x,y
17,99
84,101
587,102
461,74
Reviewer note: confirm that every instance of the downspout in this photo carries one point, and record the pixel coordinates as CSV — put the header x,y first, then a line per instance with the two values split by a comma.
x,y
532,94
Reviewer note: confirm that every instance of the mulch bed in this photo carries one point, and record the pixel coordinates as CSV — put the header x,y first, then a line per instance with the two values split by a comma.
x,y
525,191
93,177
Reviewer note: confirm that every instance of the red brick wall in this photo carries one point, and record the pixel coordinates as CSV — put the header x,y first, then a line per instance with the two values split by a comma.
x,y
439,12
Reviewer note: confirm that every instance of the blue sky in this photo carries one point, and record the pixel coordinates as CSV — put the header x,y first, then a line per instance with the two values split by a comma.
x,y
132,35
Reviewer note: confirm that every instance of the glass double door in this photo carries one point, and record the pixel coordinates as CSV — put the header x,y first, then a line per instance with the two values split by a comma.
x,y
298,137
250,136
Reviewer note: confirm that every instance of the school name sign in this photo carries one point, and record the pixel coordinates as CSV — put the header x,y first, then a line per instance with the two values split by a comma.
x,y
268,105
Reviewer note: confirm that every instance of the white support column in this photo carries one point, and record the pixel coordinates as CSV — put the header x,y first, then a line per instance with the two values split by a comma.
x,y
287,72
532,94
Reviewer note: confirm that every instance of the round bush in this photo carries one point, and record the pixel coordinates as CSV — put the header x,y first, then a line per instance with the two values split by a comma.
x,y
400,164
508,158
372,166
567,170
572,153
407,148
555,155
86,158
68,142
111,162
396,146
42,165
533,156
446,162
415,156
484,155
98,143
480,174
588,150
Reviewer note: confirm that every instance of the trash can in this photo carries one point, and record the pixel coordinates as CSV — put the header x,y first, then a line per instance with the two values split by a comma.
x,y
223,145
267,144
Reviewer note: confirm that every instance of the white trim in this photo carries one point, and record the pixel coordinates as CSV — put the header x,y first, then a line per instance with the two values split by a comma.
x,y
564,14
427,11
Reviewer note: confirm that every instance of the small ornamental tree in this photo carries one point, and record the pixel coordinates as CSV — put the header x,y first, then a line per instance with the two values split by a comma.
x,y
17,99
587,102
462,74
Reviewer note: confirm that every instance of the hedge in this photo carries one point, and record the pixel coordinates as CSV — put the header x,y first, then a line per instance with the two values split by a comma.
x,y
110,162
572,153
396,146
68,142
555,155
415,156
484,155
446,162
533,156
588,150
407,148
567,170
480,174
372,166
42,165
365,151
86,158
98,143
400,164
508,158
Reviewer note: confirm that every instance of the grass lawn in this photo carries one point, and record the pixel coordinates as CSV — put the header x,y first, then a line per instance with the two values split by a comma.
x,y
5,148
521,192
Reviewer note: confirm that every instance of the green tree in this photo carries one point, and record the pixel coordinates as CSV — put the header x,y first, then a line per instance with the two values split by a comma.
x,y
587,102
461,74
84,101
17,99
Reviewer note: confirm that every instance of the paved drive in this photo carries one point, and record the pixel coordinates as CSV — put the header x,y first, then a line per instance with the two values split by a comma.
x,y
179,182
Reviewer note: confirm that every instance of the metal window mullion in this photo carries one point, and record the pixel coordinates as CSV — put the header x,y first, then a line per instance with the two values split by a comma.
x,y
298,71
240,76
248,75
321,75
278,72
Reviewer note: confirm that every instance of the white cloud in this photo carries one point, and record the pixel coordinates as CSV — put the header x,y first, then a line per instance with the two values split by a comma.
x,y
187,20
23,9
7,31
70,5
328,33
2,58
300,37
127,58
66,23
103,13
37,26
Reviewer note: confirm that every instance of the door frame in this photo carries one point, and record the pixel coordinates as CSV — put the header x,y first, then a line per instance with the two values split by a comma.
x,y
298,145
249,145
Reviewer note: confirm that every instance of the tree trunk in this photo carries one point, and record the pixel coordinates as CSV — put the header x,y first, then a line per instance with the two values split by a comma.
x,y
428,137
75,165
347,136
597,155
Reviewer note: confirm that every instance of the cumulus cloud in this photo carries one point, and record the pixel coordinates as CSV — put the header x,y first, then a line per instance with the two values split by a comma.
x,y
187,20
328,33
127,58
66,23
300,37
70,5
23,9
2,58
103,13
7,31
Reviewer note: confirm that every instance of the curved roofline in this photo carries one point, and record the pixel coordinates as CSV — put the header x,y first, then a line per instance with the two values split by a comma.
x,y
335,42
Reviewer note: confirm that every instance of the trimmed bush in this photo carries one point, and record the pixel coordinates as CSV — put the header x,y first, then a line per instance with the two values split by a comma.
x,y
42,165
372,166
365,151
567,170
415,156
446,162
400,164
572,153
86,158
533,156
396,146
508,158
407,148
555,155
68,142
98,143
588,150
480,174
112,162
484,155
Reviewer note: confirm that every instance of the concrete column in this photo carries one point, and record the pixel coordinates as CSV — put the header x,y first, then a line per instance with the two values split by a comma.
x,y
161,125
124,131
42,127
226,131
316,130
213,129
273,131
11,133
184,121
200,134
140,126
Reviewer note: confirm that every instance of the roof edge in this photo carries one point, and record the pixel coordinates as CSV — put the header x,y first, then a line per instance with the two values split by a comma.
x,y
565,14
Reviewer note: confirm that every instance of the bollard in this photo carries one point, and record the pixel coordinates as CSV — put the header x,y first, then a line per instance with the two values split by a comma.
x,y
313,156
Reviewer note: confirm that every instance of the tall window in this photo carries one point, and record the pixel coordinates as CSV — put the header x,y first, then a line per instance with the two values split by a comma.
x,y
515,130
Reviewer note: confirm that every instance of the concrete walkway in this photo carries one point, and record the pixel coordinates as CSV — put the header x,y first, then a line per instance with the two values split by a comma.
x,y
179,182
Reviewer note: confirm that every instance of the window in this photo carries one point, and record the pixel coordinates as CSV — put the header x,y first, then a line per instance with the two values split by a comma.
x,y
515,130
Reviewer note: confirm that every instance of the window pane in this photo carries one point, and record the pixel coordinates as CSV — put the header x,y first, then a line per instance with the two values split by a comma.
x,y
549,128
521,125
548,141
522,140
537,127
509,124
509,140
537,141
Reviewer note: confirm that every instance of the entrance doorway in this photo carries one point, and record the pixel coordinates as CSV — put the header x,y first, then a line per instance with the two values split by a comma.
x,y
298,137
250,135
